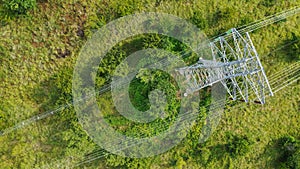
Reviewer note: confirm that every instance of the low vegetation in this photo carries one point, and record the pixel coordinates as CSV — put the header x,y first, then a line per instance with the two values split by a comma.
x,y
39,44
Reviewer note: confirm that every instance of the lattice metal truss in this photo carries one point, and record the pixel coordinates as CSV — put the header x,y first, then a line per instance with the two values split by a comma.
x,y
235,64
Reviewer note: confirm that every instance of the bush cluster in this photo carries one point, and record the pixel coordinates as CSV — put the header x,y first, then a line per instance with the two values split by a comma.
x,y
290,149
238,145
17,7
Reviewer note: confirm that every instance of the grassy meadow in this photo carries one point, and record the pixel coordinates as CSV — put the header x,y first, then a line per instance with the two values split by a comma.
x,y
38,51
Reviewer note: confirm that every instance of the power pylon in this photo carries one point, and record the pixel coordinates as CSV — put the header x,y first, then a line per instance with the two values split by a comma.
x,y
235,64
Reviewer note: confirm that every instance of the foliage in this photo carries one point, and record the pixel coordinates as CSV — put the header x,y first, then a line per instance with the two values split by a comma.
x,y
268,3
294,50
180,163
18,6
238,145
199,20
34,80
139,92
290,152
125,162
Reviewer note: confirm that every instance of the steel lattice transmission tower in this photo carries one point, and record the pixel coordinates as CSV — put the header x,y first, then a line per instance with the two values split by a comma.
x,y
235,64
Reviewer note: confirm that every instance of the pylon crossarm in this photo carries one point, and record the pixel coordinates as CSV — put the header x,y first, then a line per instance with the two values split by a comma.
x,y
235,64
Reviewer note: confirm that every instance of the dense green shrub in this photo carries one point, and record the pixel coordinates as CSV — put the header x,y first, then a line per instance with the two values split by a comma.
x,y
224,13
291,51
295,49
292,162
18,6
126,162
269,3
180,163
199,20
238,145
290,153
139,92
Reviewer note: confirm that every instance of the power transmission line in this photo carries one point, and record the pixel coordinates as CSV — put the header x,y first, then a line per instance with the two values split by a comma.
x,y
101,153
248,28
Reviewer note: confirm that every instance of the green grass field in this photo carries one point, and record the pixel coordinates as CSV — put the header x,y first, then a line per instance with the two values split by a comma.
x,y
38,52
